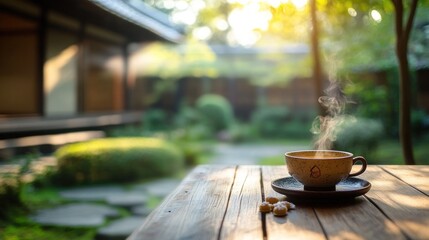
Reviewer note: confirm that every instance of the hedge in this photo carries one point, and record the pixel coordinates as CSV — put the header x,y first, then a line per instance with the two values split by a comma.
x,y
117,160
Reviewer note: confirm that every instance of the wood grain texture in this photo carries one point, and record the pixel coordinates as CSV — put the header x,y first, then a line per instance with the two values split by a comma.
x,y
242,220
195,210
407,207
222,202
300,223
417,176
356,219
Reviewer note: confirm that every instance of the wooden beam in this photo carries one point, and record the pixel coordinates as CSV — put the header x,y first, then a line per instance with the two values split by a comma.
x,y
41,56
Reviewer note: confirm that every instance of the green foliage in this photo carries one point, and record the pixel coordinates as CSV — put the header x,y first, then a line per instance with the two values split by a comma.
x,y
189,125
155,120
381,101
359,136
127,131
419,123
268,121
38,198
279,122
117,159
371,99
242,132
34,232
387,152
194,153
11,185
272,161
10,197
374,101
216,112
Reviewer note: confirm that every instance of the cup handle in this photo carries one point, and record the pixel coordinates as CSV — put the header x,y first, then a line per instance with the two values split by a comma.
x,y
364,165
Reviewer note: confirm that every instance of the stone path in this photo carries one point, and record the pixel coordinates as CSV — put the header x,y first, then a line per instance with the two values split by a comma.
x,y
75,215
95,206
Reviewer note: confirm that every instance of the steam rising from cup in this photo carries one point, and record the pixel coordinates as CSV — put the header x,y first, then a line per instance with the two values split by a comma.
x,y
326,127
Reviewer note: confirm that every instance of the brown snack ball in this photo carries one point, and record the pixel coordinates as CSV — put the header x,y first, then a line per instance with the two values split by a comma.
x,y
265,207
289,205
271,200
280,210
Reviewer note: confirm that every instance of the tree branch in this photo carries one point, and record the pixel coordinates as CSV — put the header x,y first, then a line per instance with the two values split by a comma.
x,y
410,20
398,20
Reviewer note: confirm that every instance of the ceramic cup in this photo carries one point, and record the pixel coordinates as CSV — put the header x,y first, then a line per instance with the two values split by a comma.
x,y
322,170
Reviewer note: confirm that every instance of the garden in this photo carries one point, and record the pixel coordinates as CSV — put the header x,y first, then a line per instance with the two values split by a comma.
x,y
166,146
358,111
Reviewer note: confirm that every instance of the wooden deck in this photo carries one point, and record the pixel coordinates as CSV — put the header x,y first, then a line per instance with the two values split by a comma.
x,y
32,125
21,135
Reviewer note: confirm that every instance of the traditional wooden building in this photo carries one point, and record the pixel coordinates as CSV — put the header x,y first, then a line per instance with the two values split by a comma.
x,y
64,64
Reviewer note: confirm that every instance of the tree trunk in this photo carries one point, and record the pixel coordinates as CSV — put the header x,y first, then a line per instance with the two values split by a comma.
x,y
405,108
317,68
402,37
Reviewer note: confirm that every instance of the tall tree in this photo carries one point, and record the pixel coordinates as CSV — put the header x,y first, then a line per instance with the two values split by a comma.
x,y
402,39
315,51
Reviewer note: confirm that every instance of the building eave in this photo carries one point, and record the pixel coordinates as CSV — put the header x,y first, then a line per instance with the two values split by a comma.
x,y
142,17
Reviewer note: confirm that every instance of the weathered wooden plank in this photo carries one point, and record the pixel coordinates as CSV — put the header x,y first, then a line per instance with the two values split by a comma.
x,y
417,176
195,210
405,206
300,223
358,219
242,220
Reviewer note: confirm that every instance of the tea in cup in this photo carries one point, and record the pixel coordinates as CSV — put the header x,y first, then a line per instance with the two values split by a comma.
x,y
322,169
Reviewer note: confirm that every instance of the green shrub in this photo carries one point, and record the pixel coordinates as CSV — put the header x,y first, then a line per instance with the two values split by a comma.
x,y
216,111
278,122
11,185
10,190
194,152
360,136
155,120
268,121
419,123
190,126
117,159
131,130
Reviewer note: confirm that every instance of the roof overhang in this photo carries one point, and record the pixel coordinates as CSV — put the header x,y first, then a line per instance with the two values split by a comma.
x,y
142,15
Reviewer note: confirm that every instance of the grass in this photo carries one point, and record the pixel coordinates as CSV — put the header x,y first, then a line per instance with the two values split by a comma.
x,y
40,198
33,232
19,227
388,152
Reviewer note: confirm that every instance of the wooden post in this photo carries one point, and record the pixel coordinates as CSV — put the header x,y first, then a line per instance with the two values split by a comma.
x,y
41,48
125,78
81,69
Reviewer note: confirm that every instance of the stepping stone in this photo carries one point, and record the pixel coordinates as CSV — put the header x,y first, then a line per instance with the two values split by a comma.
x,y
141,210
119,229
127,199
159,188
75,215
101,193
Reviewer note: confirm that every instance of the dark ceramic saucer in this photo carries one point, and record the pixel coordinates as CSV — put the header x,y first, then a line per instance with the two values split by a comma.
x,y
348,188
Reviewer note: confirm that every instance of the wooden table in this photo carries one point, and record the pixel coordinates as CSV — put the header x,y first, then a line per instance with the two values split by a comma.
x,y
222,202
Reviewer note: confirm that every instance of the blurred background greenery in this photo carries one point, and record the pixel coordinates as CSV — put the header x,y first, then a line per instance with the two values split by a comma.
x,y
251,63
